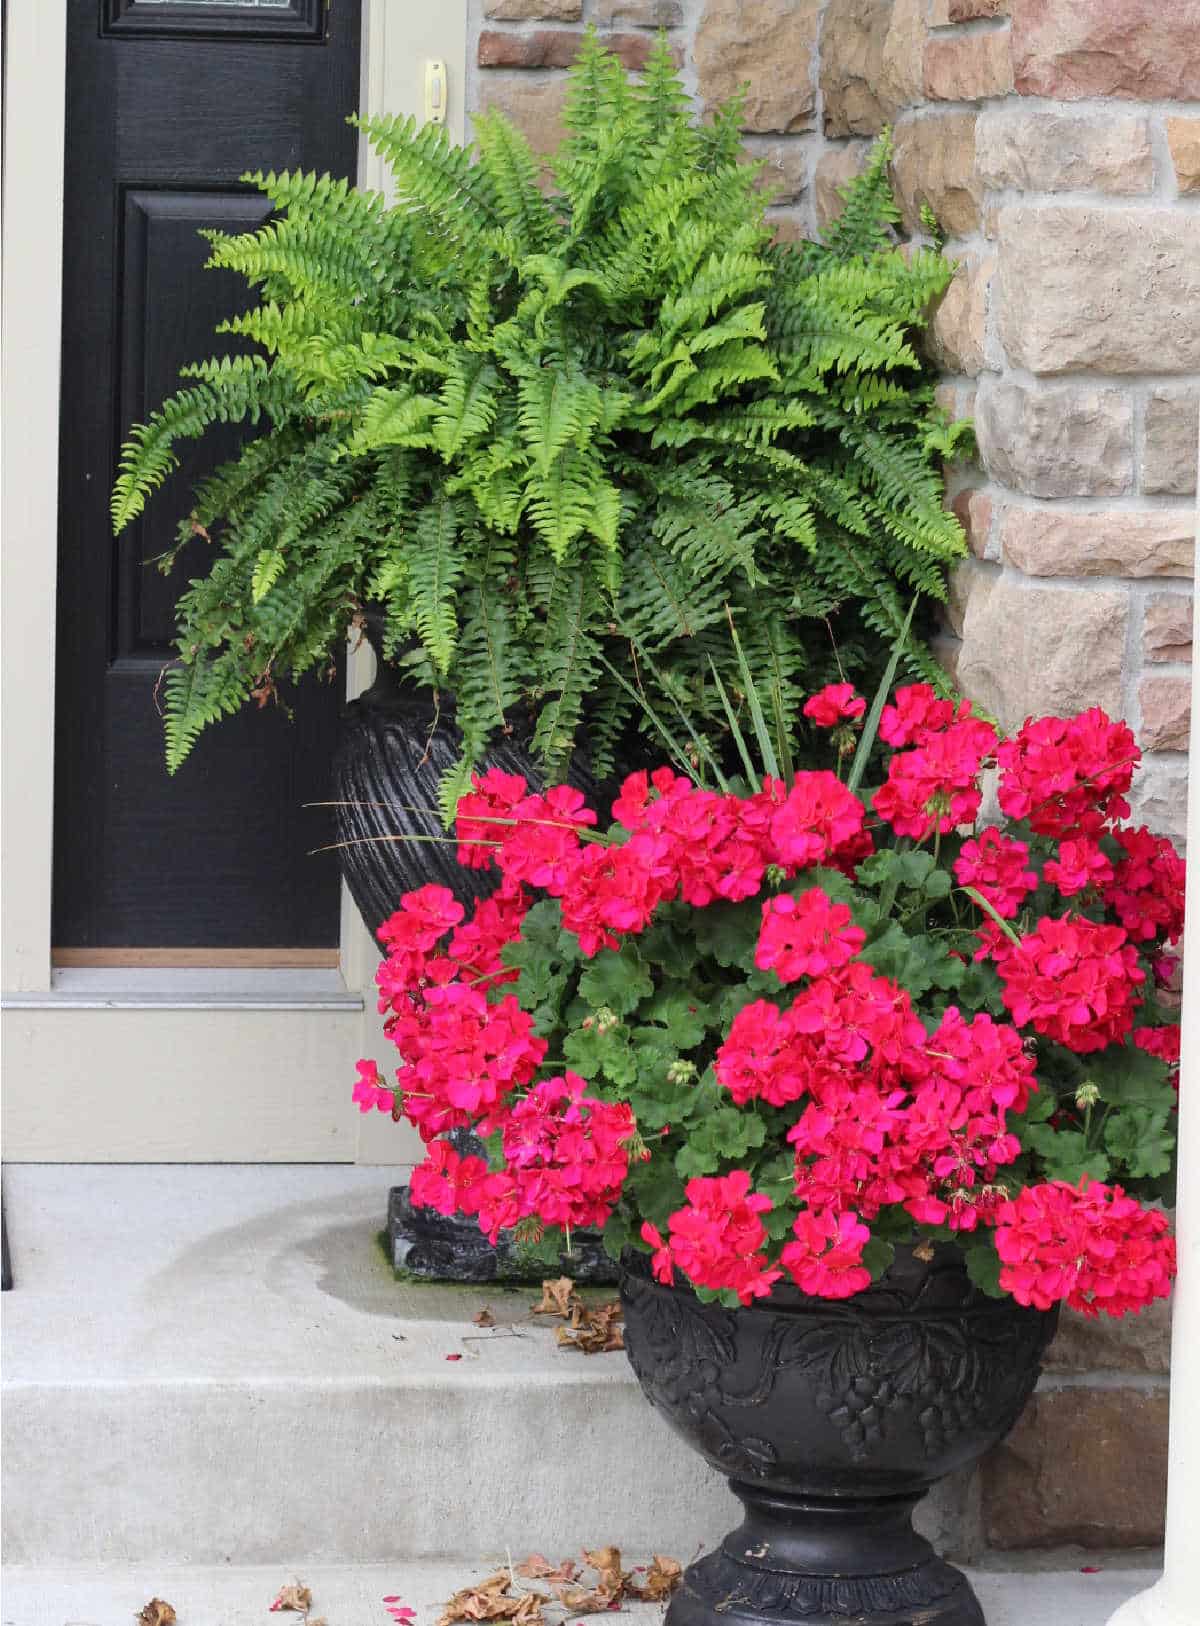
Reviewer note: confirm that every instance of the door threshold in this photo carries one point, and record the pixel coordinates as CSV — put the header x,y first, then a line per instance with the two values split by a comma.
x,y
226,959
216,988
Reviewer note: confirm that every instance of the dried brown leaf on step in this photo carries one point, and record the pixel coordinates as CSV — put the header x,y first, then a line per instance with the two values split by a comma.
x,y
537,1567
597,1331
493,1599
606,1561
609,1587
584,1601
156,1613
296,1597
558,1298
484,1317
662,1579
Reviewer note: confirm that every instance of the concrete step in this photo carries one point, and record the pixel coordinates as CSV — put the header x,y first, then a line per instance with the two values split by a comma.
x,y
352,1596
210,1365
215,1365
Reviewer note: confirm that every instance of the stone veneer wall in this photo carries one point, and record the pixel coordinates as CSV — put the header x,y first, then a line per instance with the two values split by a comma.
x,y
1057,143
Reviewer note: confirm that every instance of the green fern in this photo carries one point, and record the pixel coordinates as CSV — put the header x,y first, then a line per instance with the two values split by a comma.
x,y
563,434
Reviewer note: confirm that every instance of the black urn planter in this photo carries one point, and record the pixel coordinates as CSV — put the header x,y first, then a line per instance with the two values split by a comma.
x,y
392,754
831,1420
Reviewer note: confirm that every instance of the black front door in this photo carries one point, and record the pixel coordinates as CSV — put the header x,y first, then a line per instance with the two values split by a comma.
x,y
168,102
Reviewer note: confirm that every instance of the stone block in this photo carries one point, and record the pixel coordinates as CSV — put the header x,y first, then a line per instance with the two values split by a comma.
x,y
1030,648
956,334
1131,1343
836,168
639,13
968,67
871,63
1183,138
1063,441
974,510
1172,430
1166,713
956,400
786,173
788,226
934,164
1047,150
1054,541
1083,1466
548,11
1141,49
1114,291
966,11
535,106
1168,627
1159,796
554,48
769,44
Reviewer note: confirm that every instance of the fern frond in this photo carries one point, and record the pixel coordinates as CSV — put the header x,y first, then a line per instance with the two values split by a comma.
x,y
435,565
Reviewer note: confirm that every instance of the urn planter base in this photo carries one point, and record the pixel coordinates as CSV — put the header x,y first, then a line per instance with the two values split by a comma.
x,y
824,1562
831,1420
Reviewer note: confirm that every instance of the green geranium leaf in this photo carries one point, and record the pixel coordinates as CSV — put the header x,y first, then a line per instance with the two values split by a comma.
x,y
832,882
685,1019
777,1222
721,1135
542,983
542,928
877,1256
916,963
889,867
602,1051
616,980
730,1002
1127,1076
671,946
1065,1154
983,1265
729,932
617,1234
1142,1138
1042,1104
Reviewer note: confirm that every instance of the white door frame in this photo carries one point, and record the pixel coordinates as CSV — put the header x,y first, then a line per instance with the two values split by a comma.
x,y
152,1065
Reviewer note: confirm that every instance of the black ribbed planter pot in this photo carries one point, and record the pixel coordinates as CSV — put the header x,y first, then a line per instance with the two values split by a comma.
x,y
393,752
831,1421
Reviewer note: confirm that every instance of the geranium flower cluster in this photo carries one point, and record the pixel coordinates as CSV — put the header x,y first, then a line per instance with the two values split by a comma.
x,y
682,841
1068,775
566,1156
1071,980
891,1115
1093,1248
717,1238
880,1020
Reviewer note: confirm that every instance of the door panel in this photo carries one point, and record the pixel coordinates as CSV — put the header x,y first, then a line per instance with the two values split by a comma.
x,y
169,102
163,251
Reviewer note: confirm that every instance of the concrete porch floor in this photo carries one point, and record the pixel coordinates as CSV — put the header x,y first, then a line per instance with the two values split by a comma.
x,y
213,1385
353,1596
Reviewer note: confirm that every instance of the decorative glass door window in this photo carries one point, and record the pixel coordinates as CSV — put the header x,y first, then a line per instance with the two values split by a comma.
x,y
211,19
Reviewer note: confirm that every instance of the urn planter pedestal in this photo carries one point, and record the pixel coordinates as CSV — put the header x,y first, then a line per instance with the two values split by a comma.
x,y
831,1419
